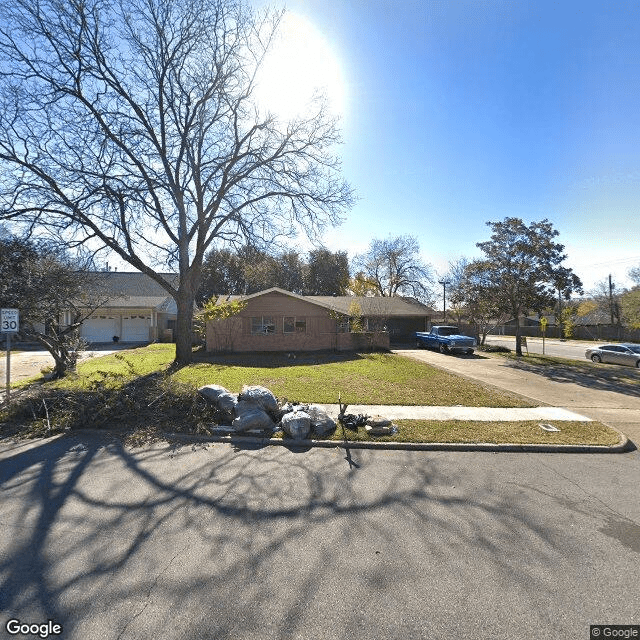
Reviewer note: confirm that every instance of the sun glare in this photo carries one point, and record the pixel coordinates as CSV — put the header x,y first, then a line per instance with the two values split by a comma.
x,y
300,63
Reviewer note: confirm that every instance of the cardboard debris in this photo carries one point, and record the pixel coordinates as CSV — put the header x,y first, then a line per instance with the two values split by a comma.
x,y
388,430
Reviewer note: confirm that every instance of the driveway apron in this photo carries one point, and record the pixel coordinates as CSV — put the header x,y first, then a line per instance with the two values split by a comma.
x,y
619,410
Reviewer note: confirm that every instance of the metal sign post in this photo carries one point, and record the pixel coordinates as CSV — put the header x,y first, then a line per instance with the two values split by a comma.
x,y
8,382
9,324
543,325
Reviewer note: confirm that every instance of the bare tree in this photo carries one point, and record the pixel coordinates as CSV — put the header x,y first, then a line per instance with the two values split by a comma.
x,y
395,266
634,274
606,294
54,293
131,125
455,279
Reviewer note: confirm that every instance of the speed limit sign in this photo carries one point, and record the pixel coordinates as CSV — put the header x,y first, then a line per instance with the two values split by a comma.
x,y
9,320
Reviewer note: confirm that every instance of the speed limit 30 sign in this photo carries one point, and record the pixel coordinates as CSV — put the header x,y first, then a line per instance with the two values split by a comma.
x,y
9,320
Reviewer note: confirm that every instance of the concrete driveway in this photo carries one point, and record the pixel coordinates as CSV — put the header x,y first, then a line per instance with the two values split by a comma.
x,y
29,363
596,399
203,543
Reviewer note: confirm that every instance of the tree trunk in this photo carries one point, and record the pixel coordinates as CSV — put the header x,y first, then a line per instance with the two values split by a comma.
x,y
518,336
60,370
185,302
184,328
61,365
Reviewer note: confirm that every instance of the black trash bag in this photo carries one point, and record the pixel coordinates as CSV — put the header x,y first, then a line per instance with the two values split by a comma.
x,y
352,421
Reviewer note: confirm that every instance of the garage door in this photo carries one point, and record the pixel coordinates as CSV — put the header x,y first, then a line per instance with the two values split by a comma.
x,y
99,329
135,328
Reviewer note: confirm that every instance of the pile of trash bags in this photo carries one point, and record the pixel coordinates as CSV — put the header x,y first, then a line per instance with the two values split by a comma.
x,y
256,409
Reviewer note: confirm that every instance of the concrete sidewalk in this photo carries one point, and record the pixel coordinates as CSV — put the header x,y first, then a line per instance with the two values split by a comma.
x,y
484,414
619,410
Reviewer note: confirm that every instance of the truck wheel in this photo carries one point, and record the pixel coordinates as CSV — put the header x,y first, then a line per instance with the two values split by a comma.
x,y
443,349
418,344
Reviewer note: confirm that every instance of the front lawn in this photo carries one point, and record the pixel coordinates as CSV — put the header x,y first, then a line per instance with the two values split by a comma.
x,y
139,393
371,378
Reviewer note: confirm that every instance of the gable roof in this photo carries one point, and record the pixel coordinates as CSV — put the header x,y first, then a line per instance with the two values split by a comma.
x,y
133,289
369,305
374,305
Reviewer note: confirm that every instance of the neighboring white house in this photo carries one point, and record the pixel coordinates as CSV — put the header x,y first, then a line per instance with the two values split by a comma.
x,y
137,309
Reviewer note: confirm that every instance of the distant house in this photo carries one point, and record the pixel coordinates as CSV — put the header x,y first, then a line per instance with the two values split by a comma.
x,y
135,309
595,325
279,320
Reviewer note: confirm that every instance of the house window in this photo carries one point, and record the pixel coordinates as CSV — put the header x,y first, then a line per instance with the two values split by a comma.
x,y
291,324
344,326
262,325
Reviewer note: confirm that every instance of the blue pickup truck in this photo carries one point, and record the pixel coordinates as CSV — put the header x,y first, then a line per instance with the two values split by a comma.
x,y
446,340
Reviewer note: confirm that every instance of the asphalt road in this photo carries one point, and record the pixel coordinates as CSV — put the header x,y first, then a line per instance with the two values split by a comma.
x,y
210,542
574,350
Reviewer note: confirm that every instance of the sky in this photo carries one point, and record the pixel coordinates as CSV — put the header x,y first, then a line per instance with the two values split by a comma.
x,y
459,112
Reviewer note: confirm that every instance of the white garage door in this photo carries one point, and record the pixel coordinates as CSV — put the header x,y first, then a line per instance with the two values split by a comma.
x,y
99,329
135,329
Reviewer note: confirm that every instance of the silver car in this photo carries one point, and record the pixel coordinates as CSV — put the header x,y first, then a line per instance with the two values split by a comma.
x,y
628,354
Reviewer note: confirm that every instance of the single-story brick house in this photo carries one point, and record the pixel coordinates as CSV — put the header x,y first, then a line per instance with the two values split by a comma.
x,y
279,320
135,308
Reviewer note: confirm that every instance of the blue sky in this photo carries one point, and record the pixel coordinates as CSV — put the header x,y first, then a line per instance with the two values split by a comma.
x,y
460,112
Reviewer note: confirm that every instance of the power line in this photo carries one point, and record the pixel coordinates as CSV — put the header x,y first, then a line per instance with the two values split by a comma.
x,y
619,261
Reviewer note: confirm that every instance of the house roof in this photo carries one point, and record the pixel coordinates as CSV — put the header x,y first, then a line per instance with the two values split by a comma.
x,y
133,289
369,305
374,305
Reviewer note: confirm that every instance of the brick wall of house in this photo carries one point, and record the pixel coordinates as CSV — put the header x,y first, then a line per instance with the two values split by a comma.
x,y
235,334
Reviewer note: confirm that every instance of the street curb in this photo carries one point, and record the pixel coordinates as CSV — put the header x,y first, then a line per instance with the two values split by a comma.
x,y
624,446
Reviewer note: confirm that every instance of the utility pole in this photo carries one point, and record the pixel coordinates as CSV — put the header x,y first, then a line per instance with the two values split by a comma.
x,y
611,286
444,284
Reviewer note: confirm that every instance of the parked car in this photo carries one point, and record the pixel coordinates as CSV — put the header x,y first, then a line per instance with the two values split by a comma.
x,y
628,354
445,339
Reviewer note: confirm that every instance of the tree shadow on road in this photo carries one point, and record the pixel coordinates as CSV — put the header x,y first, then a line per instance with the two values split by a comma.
x,y
139,539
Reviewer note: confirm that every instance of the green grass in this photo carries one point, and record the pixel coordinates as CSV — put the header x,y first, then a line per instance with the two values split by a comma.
x,y
139,391
551,361
373,378
365,379
468,431
117,368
